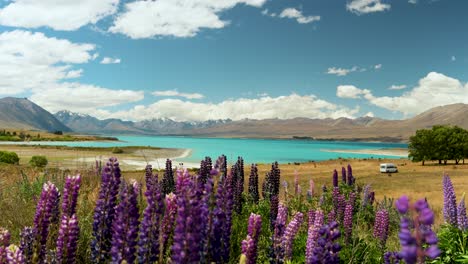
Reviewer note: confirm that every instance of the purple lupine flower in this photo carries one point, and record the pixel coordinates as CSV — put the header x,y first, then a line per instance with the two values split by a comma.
x,y
274,202
365,195
371,197
343,174
348,221
280,227
221,222
14,255
313,235
391,257
311,187
352,198
168,221
326,251
350,179
221,165
167,182
250,244
335,178
4,243
311,216
183,180
67,240
253,183
43,217
104,212
290,234
381,226
191,222
421,243
450,201
27,243
126,225
237,182
461,215
331,217
70,195
148,242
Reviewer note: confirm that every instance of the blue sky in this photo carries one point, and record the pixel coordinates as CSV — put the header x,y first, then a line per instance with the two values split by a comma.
x,y
205,59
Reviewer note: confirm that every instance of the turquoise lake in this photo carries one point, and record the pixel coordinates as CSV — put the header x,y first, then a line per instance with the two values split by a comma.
x,y
252,150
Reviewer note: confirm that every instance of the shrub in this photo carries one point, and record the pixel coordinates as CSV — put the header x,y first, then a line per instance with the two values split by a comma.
x,y
9,157
38,161
117,151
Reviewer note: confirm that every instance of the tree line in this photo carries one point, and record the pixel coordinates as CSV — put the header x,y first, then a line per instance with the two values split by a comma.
x,y
441,143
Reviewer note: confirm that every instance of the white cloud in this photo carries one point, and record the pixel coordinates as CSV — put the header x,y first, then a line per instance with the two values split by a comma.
x,y
370,114
413,2
283,107
378,66
178,18
178,94
453,58
397,87
433,90
360,7
297,14
350,91
42,66
343,71
56,14
108,60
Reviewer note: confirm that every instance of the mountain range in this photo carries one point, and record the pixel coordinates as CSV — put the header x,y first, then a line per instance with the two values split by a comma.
x,y
23,114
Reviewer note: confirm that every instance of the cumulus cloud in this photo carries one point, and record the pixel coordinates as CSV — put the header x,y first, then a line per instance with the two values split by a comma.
x,y
342,71
433,90
361,7
370,114
56,14
378,66
175,93
397,87
297,14
350,91
413,2
178,18
46,74
108,60
283,107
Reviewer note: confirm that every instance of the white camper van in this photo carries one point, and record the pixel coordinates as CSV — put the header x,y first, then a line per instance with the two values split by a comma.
x,y
388,168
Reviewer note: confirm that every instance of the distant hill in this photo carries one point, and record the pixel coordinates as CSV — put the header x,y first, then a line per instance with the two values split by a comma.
x,y
163,126
24,114
364,128
20,113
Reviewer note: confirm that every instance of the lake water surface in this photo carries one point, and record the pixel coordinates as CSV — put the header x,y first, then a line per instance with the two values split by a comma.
x,y
252,150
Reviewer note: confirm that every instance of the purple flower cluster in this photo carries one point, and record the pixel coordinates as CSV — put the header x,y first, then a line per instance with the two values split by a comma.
x,y
237,183
421,243
278,232
296,183
343,175
326,251
167,182
27,243
250,244
104,212
290,234
126,225
313,234
67,241
348,221
381,226
45,213
221,222
253,184
391,257
461,215
148,242
450,201
4,243
168,221
15,256
335,178
350,177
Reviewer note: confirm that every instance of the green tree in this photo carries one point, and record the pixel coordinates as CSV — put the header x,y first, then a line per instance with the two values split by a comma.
x,y
421,146
38,161
9,157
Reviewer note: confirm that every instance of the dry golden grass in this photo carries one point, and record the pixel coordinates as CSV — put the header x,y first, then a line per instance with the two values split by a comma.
x,y
413,179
